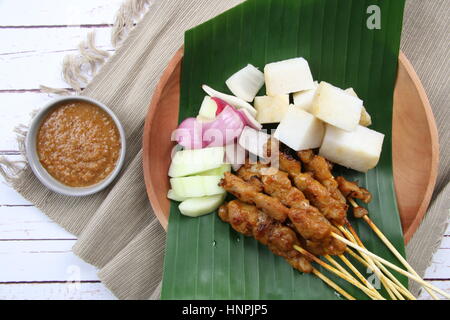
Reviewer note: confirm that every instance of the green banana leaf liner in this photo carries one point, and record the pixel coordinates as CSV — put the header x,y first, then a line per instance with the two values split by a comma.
x,y
205,258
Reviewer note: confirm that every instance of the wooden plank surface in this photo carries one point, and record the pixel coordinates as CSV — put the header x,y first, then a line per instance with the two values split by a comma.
x,y
42,261
57,291
28,223
57,13
35,253
42,64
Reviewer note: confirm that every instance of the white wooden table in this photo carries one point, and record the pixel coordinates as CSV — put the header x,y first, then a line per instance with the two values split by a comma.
x,y
36,259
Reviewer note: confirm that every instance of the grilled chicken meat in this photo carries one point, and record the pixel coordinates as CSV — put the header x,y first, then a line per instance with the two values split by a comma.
x,y
316,193
248,193
280,239
307,220
330,245
352,190
339,187
321,170
360,212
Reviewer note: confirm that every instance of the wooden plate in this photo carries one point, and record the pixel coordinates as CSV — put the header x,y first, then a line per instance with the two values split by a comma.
x,y
415,143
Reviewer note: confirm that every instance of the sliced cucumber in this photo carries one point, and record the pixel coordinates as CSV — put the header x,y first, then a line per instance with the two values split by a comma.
x,y
196,207
173,196
189,162
217,171
208,108
197,186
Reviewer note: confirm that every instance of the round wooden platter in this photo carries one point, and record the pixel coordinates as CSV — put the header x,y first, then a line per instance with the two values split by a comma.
x,y
415,143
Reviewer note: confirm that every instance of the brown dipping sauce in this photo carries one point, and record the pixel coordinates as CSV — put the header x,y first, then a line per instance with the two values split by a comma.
x,y
78,144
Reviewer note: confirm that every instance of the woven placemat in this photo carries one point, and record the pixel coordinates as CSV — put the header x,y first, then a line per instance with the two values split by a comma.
x,y
117,230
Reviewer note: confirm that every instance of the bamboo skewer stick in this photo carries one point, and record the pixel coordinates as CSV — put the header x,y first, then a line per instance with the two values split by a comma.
x,y
391,290
352,235
400,287
343,270
388,244
332,284
337,272
395,252
391,265
356,272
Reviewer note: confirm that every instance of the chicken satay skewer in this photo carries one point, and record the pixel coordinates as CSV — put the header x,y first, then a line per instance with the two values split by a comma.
x,y
293,167
340,188
277,184
250,221
388,244
393,293
321,170
250,194
351,190
306,219
318,194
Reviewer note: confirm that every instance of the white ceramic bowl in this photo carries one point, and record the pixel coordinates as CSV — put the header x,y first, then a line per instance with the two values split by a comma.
x,y
44,176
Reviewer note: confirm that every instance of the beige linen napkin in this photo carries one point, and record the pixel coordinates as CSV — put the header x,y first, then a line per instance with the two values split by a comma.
x,y
426,42
116,228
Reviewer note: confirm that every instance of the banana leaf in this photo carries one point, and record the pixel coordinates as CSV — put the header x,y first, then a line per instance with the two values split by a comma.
x,y
205,258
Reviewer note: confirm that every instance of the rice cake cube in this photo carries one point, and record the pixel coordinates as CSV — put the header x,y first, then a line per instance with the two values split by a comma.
x,y
300,130
366,119
254,141
288,76
271,109
359,149
304,99
336,107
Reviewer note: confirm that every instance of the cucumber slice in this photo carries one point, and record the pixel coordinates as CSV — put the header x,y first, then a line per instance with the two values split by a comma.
x,y
189,162
217,171
197,186
173,196
196,207
208,108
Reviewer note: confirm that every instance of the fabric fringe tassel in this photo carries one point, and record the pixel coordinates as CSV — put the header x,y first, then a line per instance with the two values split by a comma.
x,y
11,170
128,15
77,71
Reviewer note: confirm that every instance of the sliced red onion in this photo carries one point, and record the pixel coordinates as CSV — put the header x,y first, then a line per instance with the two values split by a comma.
x,y
189,134
249,120
220,104
245,115
225,129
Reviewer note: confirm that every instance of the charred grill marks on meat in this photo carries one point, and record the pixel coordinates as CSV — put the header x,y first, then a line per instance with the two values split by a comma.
x,y
251,222
316,193
321,170
248,193
339,188
352,190
308,221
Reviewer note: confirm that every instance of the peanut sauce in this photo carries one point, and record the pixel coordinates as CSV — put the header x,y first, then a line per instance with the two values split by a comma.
x,y
78,144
